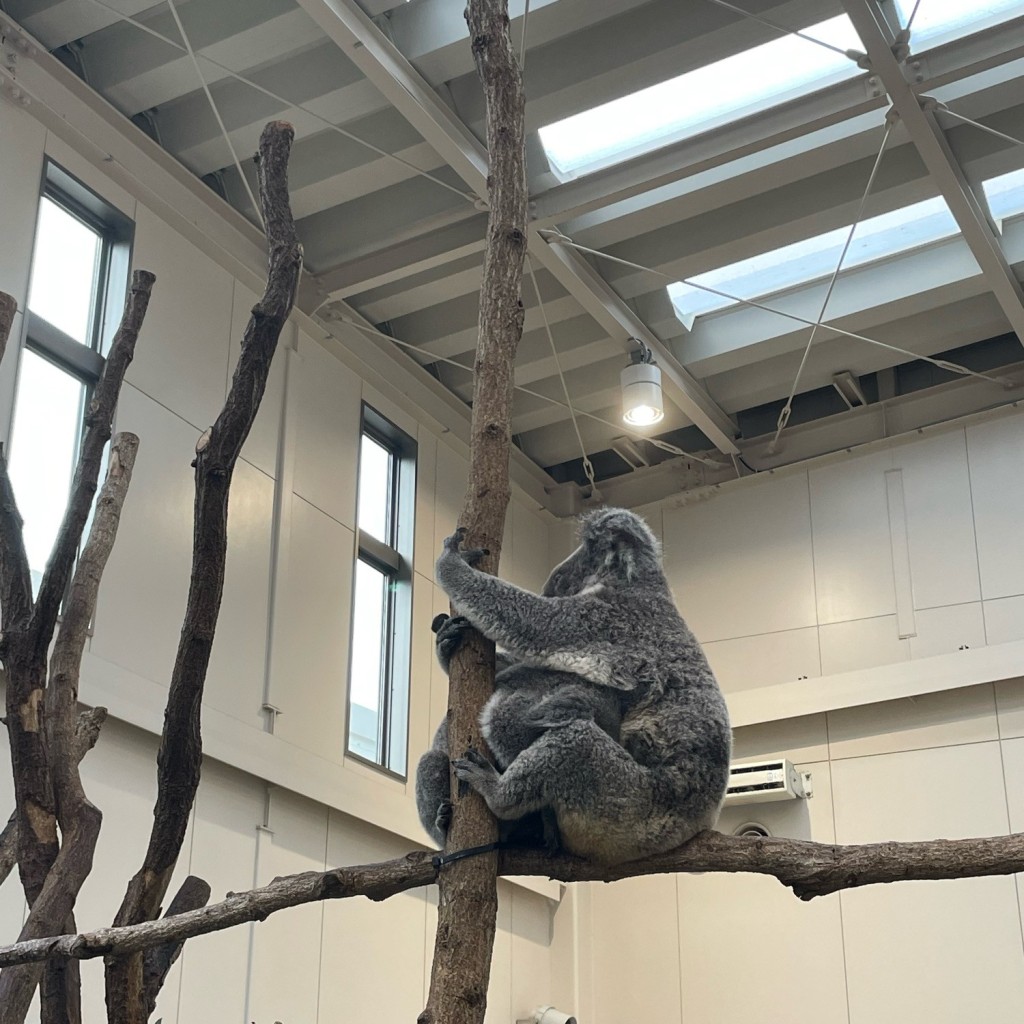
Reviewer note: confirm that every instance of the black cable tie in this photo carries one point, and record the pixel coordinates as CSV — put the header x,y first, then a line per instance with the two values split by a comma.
x,y
441,860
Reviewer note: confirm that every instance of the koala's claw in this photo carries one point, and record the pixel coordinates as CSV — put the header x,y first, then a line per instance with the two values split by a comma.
x,y
437,623
454,542
443,818
474,768
453,546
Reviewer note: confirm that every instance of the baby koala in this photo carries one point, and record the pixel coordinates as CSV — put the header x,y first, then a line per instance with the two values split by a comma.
x,y
527,702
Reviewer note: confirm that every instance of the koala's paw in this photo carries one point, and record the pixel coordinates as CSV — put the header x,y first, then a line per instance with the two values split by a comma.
x,y
475,769
443,819
453,546
437,623
450,636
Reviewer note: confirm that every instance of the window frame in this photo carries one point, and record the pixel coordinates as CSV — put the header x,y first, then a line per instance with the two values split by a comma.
x,y
81,361
394,560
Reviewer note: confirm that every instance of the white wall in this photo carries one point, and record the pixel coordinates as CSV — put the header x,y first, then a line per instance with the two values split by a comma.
x,y
795,575
282,637
718,949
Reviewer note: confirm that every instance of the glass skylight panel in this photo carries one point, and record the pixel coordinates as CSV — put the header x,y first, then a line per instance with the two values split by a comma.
x,y
814,258
742,84
938,21
1005,195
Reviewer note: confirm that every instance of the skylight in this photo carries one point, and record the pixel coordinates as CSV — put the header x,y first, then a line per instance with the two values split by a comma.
x,y
1005,195
938,21
742,84
814,258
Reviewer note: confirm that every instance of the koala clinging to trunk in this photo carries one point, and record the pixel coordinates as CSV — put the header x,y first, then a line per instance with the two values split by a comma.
x,y
606,616
526,701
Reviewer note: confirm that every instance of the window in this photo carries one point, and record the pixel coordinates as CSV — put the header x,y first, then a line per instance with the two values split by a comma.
x,y
742,84
76,291
1005,195
940,21
378,705
813,259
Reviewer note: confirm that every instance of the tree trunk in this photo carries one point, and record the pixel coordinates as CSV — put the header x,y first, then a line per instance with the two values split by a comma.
x,y
468,899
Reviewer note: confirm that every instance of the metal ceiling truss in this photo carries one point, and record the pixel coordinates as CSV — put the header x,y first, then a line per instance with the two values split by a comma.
x,y
918,117
412,96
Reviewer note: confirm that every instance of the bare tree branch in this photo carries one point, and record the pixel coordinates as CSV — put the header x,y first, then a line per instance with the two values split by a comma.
x,y
809,869
15,580
79,819
468,901
180,756
25,641
86,734
193,894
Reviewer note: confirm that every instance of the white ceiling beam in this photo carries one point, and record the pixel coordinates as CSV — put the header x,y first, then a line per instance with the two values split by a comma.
x,y
931,143
385,66
398,80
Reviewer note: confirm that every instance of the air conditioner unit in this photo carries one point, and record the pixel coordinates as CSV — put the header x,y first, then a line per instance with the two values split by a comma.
x,y
756,782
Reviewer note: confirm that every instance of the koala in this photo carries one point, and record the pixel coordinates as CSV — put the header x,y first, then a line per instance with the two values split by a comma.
x,y
526,702
606,616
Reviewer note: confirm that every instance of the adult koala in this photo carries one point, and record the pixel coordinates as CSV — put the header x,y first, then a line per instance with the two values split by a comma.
x,y
606,616
526,702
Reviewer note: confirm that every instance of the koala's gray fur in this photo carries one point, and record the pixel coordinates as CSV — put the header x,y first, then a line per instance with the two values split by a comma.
x,y
606,615
526,702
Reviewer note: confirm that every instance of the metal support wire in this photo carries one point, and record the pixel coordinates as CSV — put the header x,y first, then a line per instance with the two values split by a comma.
x,y
943,364
913,15
522,43
270,94
977,124
216,112
851,54
787,409
664,446
588,466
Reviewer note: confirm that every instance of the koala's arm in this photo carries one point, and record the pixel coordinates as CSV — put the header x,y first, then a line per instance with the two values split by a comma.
x,y
561,633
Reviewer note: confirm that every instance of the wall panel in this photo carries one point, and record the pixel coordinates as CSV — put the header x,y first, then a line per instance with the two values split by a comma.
x,y
916,951
740,563
181,367
752,661
940,520
327,410
285,976
996,450
311,637
852,553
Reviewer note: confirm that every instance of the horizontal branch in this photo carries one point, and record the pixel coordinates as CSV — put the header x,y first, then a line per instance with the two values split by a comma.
x,y
809,869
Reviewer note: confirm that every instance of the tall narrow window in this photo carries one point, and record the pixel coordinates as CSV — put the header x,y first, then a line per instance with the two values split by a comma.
x,y
378,705
77,286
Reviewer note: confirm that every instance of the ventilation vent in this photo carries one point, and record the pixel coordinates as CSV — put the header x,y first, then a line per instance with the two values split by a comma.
x,y
752,830
761,781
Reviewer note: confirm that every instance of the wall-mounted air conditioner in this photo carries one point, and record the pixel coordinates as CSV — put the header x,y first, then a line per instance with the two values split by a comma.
x,y
756,782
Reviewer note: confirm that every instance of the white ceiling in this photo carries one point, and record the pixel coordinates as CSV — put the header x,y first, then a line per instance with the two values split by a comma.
x,y
388,167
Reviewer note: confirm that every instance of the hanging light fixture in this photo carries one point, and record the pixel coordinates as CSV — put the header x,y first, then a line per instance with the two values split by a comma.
x,y
642,404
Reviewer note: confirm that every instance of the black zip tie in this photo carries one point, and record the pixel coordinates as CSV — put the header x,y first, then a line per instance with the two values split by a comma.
x,y
441,860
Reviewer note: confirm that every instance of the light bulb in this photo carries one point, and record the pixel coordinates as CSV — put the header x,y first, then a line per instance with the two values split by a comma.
x,y
642,404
